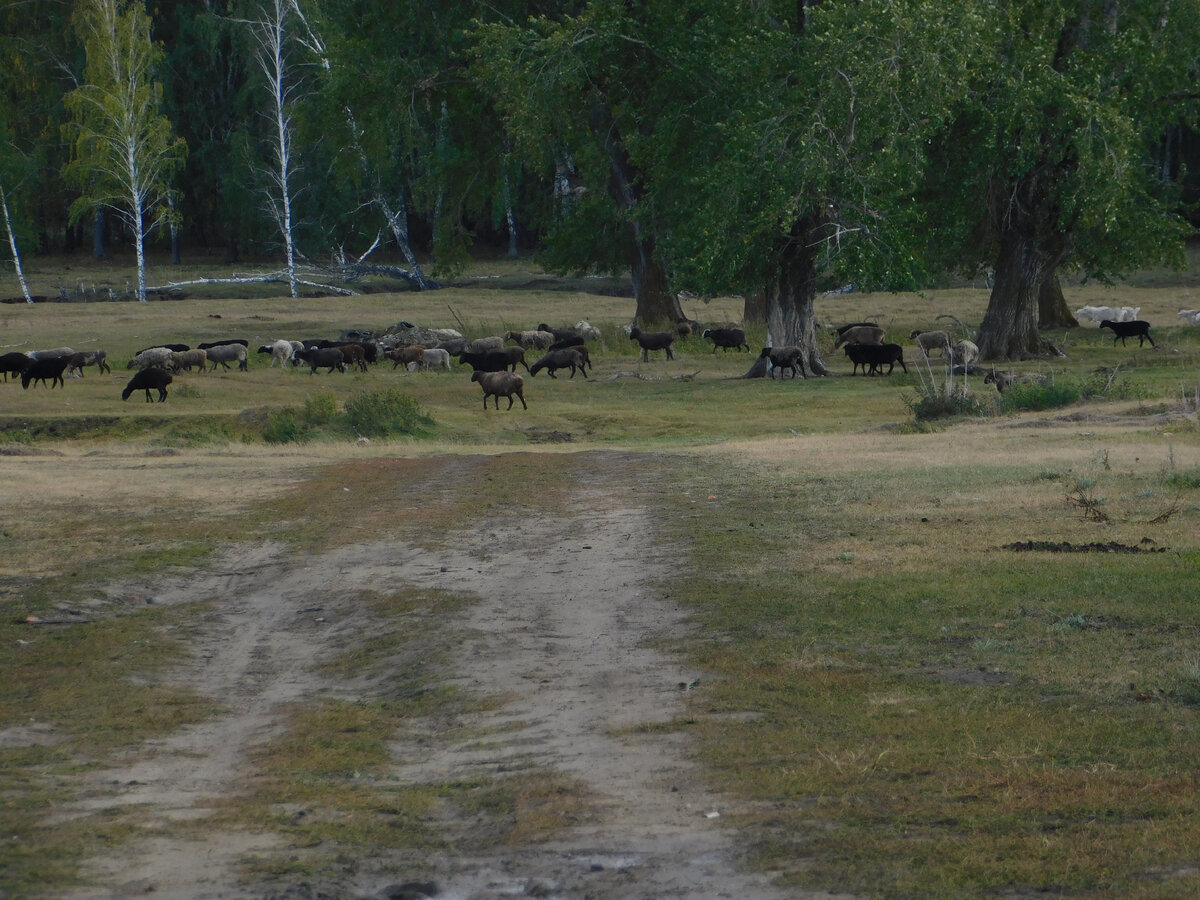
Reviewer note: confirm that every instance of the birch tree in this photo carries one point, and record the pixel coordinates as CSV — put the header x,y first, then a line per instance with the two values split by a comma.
x,y
124,151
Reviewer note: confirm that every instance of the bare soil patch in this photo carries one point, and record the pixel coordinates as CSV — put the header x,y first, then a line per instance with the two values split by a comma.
x,y
563,638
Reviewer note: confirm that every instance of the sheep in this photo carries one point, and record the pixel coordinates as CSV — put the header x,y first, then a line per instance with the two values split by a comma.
x,y
1191,315
41,369
484,344
494,360
872,357
1003,380
434,358
280,351
530,340
208,345
97,358
568,357
402,356
149,379
859,334
225,353
453,346
1112,313
655,340
559,333
13,362
329,358
177,348
187,359
1138,328
355,354
587,330
928,341
160,357
726,338
785,358
50,354
966,352
572,340
501,384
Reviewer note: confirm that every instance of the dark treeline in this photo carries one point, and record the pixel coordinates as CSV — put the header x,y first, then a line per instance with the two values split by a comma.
x,y
763,147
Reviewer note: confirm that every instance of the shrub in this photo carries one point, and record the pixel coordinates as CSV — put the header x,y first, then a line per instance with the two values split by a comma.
x,y
385,413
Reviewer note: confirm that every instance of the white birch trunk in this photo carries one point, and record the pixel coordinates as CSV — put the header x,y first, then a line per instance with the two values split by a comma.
x,y
12,243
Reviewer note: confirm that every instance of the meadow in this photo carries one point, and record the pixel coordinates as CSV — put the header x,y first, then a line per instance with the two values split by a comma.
x,y
944,658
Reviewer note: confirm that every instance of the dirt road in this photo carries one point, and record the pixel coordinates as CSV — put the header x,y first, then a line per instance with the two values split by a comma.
x,y
561,637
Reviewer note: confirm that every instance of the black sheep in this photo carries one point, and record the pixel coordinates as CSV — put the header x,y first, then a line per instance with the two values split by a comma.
x,y
14,363
147,380
785,358
872,357
655,340
567,357
727,338
1138,328
506,358
329,358
41,369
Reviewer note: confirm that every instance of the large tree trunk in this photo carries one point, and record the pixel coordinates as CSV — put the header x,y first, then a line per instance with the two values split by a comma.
x,y
790,319
1053,311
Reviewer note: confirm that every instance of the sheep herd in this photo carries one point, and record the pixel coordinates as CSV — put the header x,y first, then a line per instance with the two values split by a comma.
x,y
494,360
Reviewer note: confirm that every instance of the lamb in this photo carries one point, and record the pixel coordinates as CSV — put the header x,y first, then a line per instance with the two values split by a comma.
x,y
1004,380
1138,328
501,384
149,379
1192,316
873,356
928,341
97,358
225,353
785,358
329,358
434,358
530,340
966,352
280,351
41,369
1112,313
726,338
568,357
494,360
159,357
654,340
187,359
859,334
587,330
14,363
403,356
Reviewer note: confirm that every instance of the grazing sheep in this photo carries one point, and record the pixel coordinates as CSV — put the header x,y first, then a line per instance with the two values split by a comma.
x,y
159,357
1003,380
587,330
280,351
328,358
1139,329
13,362
859,334
402,356
785,358
1112,313
655,340
97,358
501,384
355,355
928,341
187,359
966,352
567,357
873,356
1191,315
225,353
149,379
484,344
726,338
434,358
41,369
530,340
494,360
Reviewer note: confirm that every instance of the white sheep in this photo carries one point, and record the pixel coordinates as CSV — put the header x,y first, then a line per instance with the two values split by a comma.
x,y
281,351
435,358
189,359
933,340
587,330
1191,315
1112,313
159,357
530,339
965,352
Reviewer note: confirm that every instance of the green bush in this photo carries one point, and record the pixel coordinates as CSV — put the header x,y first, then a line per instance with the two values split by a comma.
x,y
384,413
1052,394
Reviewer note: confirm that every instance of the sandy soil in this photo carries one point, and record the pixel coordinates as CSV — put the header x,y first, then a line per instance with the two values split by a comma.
x,y
562,635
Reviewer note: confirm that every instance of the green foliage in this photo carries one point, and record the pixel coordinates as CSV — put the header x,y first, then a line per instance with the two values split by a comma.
x,y
383,413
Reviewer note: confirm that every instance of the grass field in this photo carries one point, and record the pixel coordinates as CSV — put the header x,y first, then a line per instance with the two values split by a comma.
x,y
925,678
